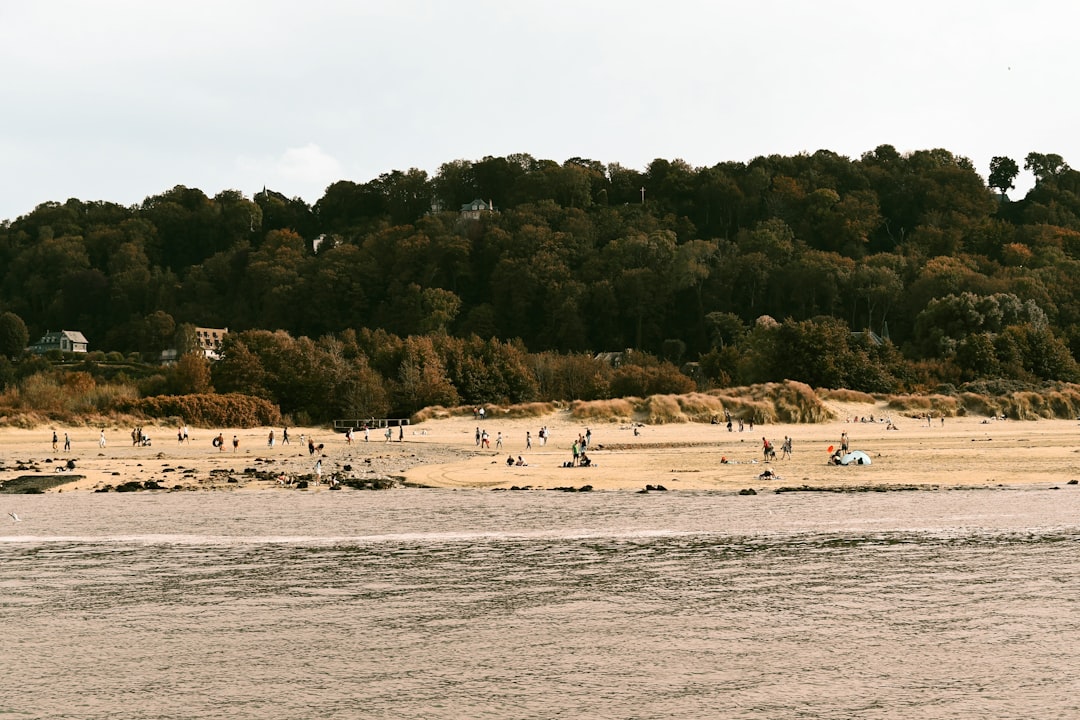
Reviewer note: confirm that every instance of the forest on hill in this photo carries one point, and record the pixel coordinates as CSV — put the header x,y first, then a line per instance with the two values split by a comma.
x,y
500,280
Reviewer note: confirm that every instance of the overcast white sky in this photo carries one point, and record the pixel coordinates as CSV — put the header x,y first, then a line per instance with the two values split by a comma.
x,y
117,100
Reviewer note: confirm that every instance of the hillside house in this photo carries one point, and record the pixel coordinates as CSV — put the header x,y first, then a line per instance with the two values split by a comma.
x,y
63,340
210,341
473,210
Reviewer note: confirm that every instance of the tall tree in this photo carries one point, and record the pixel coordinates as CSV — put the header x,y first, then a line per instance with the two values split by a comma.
x,y
1003,171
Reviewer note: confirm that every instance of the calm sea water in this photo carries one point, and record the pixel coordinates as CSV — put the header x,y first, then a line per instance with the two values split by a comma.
x,y
443,604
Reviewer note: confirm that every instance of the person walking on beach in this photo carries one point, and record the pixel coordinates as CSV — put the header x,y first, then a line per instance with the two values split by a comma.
x,y
235,443
270,440
477,436
318,471
528,440
54,440
498,440
389,434
67,442
101,438
401,433
367,430
285,436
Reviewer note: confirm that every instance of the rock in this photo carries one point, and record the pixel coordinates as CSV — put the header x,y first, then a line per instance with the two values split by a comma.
x,y
748,491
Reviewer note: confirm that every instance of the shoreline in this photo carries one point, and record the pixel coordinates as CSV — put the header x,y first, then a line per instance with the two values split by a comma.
x,y
962,452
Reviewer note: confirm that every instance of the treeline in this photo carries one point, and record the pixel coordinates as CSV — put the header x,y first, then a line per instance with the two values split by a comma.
x,y
754,271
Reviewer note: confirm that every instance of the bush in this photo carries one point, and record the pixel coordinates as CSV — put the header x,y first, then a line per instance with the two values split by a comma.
x,y
232,410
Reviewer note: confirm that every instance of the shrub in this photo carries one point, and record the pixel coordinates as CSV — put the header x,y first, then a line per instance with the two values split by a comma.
x,y
232,410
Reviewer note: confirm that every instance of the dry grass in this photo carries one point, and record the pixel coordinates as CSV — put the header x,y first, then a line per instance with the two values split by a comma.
x,y
617,410
847,396
1030,405
74,399
663,409
977,404
521,410
786,402
917,405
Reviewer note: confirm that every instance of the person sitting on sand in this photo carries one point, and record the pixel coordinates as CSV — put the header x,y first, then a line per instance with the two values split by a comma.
x,y
509,460
584,460
521,462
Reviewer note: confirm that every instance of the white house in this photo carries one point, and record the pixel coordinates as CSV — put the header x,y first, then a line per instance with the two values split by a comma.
x,y
64,340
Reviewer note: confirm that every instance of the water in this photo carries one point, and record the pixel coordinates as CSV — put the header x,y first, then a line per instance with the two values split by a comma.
x,y
443,604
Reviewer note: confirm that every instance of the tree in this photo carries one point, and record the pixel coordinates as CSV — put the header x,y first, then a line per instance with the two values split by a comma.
x,y
13,335
191,374
1045,165
1003,171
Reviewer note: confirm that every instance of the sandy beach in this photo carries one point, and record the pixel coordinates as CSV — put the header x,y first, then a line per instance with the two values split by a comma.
x,y
961,451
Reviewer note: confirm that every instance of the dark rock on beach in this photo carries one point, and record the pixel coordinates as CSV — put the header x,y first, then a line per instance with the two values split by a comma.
x,y
34,484
852,488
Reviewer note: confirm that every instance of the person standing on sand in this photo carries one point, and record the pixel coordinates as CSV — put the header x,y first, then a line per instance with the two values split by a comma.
x,y
235,443
843,442
477,436
401,433
367,431
389,433
285,436
54,440
270,440
528,440
101,438
318,471
498,440
67,442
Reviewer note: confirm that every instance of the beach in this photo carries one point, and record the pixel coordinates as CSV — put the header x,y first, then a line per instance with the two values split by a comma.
x,y
905,453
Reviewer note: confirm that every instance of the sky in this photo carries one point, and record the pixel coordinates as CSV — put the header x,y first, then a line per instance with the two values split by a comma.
x,y
119,100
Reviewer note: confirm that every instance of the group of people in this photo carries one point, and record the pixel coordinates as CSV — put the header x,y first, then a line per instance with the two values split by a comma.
x,y
730,422
219,442
139,438
769,450
579,456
